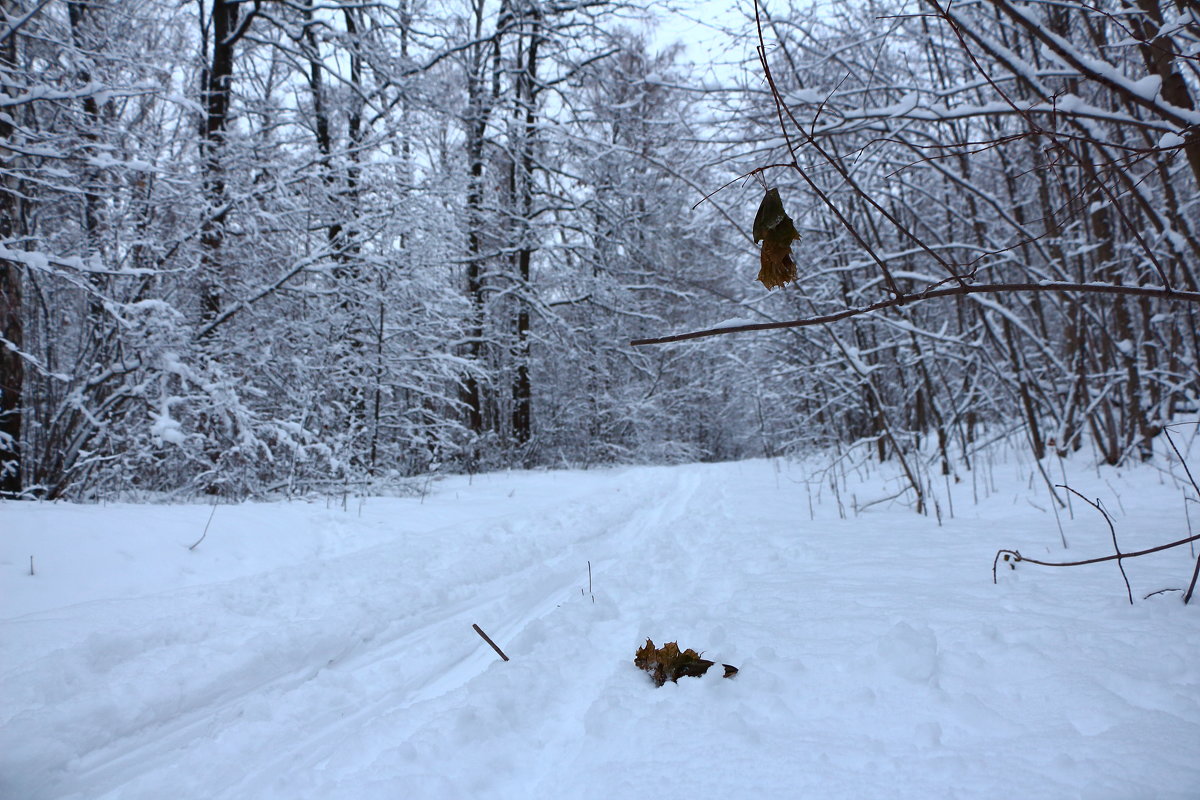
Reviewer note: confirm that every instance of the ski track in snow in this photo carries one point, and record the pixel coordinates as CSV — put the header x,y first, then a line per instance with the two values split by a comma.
x,y
877,658
273,679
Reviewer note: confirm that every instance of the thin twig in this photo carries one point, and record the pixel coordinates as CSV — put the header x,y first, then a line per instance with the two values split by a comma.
x,y
488,639
757,172
1096,505
1182,461
210,517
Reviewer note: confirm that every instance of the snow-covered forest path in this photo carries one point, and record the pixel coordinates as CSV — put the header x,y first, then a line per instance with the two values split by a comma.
x,y
305,651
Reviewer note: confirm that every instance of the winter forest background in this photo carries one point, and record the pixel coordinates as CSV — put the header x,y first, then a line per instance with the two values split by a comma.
x,y
251,247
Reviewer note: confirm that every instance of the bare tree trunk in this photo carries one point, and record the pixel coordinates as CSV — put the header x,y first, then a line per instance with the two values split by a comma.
x,y
12,335
483,89
227,27
92,177
527,99
12,370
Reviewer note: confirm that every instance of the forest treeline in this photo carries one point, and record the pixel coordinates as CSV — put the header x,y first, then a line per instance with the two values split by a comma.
x,y
262,246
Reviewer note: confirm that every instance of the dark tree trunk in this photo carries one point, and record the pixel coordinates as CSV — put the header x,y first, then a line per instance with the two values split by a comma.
x,y
12,370
12,373
92,177
481,99
227,27
527,99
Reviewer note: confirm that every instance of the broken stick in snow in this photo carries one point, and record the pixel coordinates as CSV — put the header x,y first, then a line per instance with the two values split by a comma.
x,y
488,639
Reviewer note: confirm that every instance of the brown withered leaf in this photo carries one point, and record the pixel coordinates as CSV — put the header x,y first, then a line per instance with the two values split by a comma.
x,y
667,663
775,229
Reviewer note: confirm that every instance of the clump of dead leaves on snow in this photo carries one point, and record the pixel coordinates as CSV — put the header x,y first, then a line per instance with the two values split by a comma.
x,y
668,663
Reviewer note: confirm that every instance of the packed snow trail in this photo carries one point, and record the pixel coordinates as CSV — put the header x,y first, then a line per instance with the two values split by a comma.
x,y
307,652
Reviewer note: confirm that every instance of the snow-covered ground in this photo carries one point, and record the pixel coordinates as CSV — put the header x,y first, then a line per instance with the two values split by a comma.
x,y
309,651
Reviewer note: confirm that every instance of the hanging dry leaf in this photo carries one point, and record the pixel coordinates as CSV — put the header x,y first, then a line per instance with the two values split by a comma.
x,y
775,229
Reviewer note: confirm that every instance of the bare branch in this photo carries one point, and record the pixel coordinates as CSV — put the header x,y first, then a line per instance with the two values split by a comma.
x,y
1057,287
1014,556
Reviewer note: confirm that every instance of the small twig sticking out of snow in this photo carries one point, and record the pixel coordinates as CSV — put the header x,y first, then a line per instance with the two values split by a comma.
x,y
1096,505
1057,518
1062,468
949,497
31,572
210,516
488,639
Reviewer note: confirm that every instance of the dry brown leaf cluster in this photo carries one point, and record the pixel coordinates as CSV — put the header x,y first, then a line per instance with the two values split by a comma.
x,y
668,663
